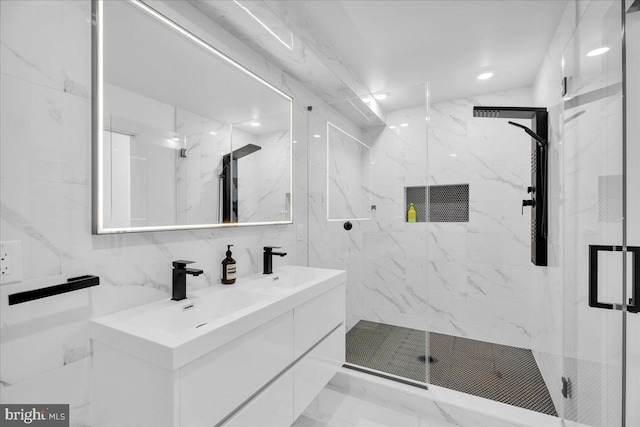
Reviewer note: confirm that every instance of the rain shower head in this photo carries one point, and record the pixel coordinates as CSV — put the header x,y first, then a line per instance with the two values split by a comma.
x,y
532,134
507,112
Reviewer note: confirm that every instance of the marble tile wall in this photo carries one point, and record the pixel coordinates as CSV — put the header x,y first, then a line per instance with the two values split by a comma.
x,y
45,201
394,281
479,272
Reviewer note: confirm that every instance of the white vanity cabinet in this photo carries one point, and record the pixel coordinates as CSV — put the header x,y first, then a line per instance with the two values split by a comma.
x,y
284,353
319,351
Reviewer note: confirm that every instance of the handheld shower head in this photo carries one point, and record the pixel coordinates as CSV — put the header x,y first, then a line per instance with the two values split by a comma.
x,y
543,142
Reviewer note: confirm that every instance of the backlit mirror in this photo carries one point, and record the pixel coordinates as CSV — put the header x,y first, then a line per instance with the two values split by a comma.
x,y
184,137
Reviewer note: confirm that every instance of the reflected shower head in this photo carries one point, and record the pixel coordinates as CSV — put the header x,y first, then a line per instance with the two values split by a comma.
x,y
237,154
244,151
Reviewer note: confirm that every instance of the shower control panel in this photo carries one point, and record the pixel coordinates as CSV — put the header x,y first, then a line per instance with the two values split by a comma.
x,y
539,179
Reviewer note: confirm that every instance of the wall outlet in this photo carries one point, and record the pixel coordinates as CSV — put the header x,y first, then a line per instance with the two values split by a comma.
x,y
10,262
300,232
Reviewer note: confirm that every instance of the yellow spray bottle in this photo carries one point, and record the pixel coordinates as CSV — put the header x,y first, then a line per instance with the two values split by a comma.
x,y
411,214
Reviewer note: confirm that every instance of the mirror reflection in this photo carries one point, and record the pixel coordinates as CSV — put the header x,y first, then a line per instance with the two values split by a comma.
x,y
189,138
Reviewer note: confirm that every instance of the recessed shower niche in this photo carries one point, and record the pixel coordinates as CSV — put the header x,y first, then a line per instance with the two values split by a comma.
x,y
449,203
418,197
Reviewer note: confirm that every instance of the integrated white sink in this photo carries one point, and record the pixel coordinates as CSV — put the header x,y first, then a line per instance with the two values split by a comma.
x,y
173,333
188,315
285,280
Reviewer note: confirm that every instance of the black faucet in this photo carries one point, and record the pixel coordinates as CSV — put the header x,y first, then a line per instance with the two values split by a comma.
x,y
180,271
268,258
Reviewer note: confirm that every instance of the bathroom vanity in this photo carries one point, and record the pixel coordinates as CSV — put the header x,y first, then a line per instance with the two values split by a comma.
x,y
252,354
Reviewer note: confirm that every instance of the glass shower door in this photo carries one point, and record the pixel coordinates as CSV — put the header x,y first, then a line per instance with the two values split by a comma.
x,y
366,165
596,262
632,205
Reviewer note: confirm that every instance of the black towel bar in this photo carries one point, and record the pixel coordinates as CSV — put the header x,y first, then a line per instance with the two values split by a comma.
x,y
73,284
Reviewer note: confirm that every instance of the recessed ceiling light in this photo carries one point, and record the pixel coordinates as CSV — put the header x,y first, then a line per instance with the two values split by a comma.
x,y
485,76
452,155
295,142
316,136
254,124
392,127
366,99
380,96
598,51
404,125
213,133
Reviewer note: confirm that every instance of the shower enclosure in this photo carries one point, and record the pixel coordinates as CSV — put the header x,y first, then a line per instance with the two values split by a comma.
x,y
454,300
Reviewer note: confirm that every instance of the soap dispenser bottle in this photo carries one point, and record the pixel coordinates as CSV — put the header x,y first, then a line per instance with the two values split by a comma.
x,y
411,214
228,268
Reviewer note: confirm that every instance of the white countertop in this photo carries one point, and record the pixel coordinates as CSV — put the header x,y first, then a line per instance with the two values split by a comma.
x,y
167,335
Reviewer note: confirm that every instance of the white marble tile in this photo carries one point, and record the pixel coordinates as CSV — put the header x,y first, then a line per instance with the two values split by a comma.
x,y
46,42
66,385
335,408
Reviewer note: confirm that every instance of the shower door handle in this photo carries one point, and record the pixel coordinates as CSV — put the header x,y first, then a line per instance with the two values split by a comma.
x,y
634,301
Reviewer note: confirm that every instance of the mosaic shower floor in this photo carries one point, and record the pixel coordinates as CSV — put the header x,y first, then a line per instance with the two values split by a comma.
x,y
493,371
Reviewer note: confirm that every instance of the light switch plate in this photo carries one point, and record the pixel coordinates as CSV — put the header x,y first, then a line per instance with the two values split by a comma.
x,y
10,262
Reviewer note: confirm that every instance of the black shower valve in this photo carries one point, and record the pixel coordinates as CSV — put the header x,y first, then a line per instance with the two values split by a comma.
x,y
531,189
531,203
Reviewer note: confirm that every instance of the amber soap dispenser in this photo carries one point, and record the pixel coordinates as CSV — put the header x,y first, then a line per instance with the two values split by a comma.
x,y
228,268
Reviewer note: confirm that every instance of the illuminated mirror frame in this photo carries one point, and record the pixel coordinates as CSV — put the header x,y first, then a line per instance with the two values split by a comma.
x,y
97,67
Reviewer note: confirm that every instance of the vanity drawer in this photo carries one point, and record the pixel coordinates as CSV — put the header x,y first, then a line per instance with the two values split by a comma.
x,y
273,407
217,383
317,317
315,369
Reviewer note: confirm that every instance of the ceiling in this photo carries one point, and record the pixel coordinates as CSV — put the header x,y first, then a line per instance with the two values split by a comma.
x,y
374,45
390,44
